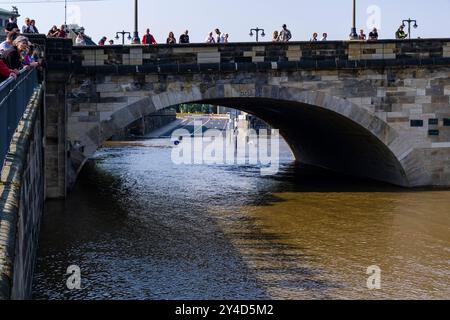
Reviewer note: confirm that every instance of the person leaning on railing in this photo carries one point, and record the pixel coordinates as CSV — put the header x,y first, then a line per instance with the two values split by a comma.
x,y
6,72
13,57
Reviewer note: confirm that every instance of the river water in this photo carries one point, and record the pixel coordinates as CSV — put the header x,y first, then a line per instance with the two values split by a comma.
x,y
141,227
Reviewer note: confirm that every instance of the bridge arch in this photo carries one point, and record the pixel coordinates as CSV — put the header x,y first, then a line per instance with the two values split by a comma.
x,y
321,129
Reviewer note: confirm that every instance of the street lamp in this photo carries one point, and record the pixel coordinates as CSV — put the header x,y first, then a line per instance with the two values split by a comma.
x,y
65,13
409,21
257,30
123,33
136,39
353,33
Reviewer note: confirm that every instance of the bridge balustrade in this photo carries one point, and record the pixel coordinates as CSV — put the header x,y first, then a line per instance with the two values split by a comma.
x,y
14,98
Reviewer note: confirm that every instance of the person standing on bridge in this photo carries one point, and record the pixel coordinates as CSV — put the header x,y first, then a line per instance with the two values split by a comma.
x,y
8,43
12,25
373,35
362,35
275,36
62,32
285,34
401,34
184,38
218,36
53,33
210,38
27,28
102,41
148,38
171,38
224,38
33,27
80,40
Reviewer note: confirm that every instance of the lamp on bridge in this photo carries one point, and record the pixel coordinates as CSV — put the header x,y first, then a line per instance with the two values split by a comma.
x,y
123,33
353,33
257,30
410,21
136,39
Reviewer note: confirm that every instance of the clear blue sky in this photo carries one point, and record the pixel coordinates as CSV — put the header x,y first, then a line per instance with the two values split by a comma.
x,y
237,16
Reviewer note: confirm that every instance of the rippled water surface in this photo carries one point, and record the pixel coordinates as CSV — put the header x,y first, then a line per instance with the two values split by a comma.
x,y
141,227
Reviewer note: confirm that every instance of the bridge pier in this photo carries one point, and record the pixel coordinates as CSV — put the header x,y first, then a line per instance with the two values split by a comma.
x,y
57,74
55,135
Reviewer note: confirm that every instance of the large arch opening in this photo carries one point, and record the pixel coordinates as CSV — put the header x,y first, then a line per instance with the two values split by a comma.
x,y
323,138
321,130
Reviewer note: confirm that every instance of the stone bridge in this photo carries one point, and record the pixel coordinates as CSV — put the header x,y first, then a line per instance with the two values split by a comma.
x,y
379,110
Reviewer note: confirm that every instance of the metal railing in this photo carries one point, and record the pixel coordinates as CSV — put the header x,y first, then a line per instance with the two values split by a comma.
x,y
14,98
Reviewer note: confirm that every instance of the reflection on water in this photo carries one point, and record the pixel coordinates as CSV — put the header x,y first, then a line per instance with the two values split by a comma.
x,y
142,228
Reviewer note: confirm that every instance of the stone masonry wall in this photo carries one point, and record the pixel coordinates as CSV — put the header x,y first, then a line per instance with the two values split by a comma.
x,y
413,101
21,203
398,91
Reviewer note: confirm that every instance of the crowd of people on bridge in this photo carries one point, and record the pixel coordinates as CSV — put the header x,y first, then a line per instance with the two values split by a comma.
x,y
17,52
213,37
284,35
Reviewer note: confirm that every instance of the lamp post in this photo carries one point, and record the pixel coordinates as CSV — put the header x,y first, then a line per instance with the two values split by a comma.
x,y
257,30
65,13
409,21
123,33
353,33
136,39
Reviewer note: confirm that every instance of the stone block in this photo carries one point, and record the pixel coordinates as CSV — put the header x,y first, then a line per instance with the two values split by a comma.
x,y
208,57
258,59
205,49
182,50
259,48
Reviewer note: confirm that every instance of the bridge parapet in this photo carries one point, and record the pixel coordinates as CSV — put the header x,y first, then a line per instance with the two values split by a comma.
x,y
263,56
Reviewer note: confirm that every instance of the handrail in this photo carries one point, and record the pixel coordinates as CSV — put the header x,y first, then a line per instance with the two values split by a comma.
x,y
14,98
21,77
10,80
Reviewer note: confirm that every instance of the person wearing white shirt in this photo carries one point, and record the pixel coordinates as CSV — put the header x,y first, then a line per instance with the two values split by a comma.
x,y
80,40
27,26
324,37
224,38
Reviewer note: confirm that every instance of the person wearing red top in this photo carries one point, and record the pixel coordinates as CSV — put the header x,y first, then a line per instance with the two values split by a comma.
x,y
62,32
148,38
6,72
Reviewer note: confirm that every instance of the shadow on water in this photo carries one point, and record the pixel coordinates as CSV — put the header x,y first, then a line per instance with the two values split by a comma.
x,y
141,228
126,254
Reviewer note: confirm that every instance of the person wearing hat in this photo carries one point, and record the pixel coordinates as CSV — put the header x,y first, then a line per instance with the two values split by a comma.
x,y
13,56
400,34
285,34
